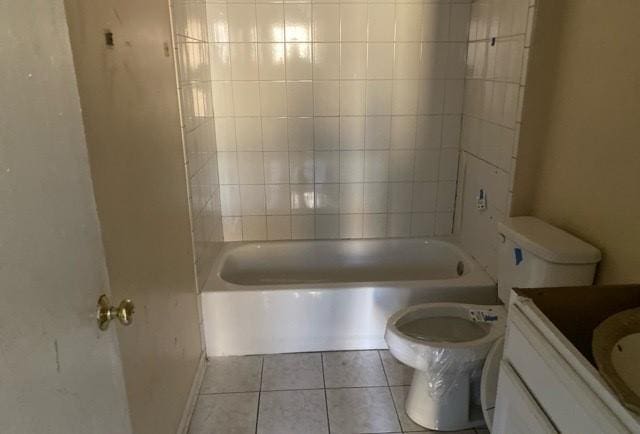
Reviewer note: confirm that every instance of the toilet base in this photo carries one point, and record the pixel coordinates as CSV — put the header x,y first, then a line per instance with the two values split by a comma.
x,y
451,411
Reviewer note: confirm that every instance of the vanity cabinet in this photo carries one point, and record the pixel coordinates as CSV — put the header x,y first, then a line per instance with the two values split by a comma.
x,y
548,385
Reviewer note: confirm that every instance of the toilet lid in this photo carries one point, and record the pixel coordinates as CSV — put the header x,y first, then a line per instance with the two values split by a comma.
x,y
489,381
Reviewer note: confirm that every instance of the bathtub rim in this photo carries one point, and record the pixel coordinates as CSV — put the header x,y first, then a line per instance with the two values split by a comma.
x,y
474,274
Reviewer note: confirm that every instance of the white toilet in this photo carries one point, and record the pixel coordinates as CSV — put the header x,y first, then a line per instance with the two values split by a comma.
x,y
456,348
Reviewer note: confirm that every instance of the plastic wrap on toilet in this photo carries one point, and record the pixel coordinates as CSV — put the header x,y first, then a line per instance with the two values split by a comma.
x,y
445,367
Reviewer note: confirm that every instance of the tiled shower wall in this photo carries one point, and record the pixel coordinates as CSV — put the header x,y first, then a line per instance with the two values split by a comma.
x,y
337,120
499,41
198,128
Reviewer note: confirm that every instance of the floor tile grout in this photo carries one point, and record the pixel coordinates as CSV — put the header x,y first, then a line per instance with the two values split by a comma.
x,y
389,387
259,393
326,401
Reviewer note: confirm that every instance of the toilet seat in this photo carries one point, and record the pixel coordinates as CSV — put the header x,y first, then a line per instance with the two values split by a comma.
x,y
425,353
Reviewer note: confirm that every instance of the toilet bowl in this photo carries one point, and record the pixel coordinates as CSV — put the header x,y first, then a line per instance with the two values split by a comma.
x,y
446,344
456,348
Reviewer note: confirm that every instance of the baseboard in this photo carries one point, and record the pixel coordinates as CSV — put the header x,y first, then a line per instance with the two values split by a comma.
x,y
193,396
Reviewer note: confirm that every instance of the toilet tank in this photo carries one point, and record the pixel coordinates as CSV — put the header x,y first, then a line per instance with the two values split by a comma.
x,y
534,254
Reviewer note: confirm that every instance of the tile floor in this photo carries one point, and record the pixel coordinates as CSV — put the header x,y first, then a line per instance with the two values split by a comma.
x,y
307,393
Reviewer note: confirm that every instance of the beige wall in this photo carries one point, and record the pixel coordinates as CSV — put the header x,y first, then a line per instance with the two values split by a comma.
x,y
581,128
130,109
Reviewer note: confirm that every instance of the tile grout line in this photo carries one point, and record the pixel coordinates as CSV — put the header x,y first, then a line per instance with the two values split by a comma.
x,y
259,392
326,402
395,408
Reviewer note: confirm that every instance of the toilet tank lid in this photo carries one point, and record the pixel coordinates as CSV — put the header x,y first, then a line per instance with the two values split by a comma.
x,y
548,242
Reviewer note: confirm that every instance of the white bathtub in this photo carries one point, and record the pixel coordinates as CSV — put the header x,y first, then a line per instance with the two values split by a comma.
x,y
295,296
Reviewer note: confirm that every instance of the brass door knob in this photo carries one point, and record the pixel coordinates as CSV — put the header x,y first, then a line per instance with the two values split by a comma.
x,y
124,312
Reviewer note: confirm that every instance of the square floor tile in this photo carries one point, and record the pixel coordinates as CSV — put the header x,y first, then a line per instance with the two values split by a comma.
x,y
361,410
225,414
292,371
353,369
293,412
399,397
398,374
232,374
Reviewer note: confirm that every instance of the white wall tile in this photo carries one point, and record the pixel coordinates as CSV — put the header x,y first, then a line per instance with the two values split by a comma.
x,y
424,197
249,134
380,22
408,21
378,96
374,226
246,98
326,61
327,133
230,200
300,134
380,60
252,198
326,98
327,226
401,165
435,22
254,227
378,132
242,22
376,197
228,167
303,227
327,166
302,198
326,22
244,61
376,166
422,224
403,132
351,225
353,60
300,99
279,227
250,168
298,61
278,199
220,61
225,134
352,98
398,225
400,196
426,165
327,198
276,167
351,198
407,60
270,22
353,22
459,27
352,132
232,228
301,167
274,134
335,119
351,166
217,22
297,21
271,61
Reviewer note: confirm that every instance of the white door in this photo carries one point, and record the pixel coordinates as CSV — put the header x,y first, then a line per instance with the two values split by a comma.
x,y
58,372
